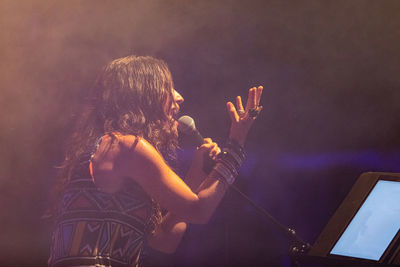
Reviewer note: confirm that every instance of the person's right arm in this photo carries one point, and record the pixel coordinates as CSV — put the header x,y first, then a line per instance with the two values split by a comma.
x,y
145,165
169,232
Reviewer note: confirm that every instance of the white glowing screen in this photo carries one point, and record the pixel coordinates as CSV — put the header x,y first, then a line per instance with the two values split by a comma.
x,y
375,224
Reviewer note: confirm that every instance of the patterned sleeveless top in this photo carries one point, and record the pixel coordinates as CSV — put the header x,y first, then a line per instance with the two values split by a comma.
x,y
94,228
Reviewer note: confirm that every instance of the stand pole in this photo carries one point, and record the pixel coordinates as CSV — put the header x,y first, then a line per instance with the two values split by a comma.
x,y
297,247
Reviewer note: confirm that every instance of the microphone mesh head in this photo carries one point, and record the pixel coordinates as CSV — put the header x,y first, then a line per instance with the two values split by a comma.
x,y
186,124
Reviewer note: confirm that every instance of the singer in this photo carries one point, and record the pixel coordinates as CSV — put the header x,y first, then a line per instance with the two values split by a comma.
x,y
116,177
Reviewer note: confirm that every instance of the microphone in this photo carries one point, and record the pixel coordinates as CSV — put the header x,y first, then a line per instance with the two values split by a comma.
x,y
187,126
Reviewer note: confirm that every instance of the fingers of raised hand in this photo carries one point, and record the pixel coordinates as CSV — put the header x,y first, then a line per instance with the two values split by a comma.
x,y
250,99
253,101
258,94
239,105
232,112
254,96
253,108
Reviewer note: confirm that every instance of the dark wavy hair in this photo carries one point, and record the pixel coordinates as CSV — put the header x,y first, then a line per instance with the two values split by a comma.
x,y
130,96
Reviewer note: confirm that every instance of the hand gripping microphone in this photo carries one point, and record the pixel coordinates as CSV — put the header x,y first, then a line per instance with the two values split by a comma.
x,y
187,126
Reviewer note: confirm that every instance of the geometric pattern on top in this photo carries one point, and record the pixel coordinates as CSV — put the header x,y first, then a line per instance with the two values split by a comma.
x,y
93,225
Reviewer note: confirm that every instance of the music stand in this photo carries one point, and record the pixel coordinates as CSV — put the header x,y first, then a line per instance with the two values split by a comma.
x,y
364,231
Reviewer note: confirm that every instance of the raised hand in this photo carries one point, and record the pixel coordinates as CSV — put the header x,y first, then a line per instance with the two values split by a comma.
x,y
242,118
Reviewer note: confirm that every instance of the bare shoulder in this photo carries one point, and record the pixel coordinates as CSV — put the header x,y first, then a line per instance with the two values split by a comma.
x,y
108,161
134,146
138,156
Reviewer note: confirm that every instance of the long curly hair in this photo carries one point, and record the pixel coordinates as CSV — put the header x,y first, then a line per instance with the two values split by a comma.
x,y
131,96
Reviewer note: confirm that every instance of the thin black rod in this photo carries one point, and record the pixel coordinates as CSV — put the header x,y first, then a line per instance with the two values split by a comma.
x,y
288,231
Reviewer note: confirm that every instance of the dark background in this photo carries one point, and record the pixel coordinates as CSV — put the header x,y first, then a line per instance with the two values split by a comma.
x,y
330,70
